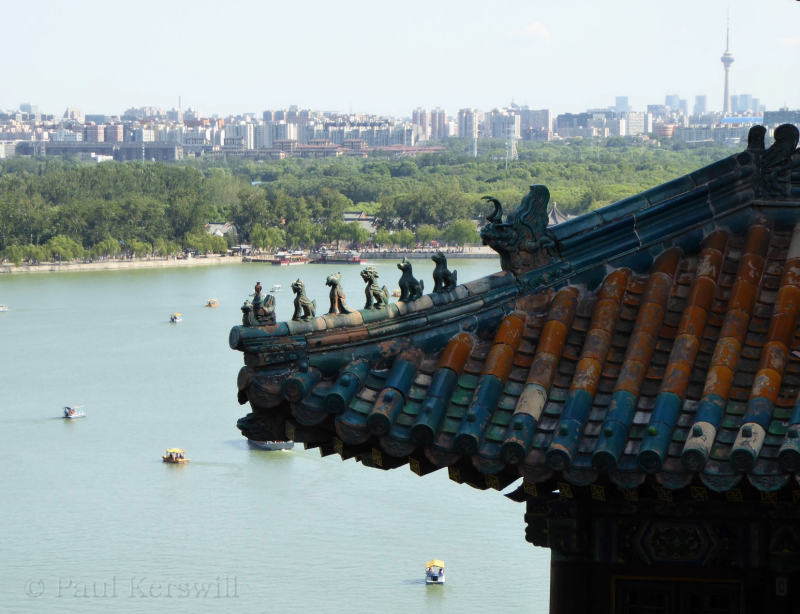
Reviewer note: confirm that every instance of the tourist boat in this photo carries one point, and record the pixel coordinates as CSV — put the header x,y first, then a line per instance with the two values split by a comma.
x,y
175,456
74,411
212,302
345,257
176,317
275,444
275,288
396,292
290,258
434,572
3,307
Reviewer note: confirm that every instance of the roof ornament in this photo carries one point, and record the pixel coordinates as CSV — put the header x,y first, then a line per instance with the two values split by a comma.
x,y
444,279
777,162
260,311
410,288
522,240
304,309
336,295
377,296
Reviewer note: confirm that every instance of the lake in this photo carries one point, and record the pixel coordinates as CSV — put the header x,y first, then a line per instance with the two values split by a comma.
x,y
95,522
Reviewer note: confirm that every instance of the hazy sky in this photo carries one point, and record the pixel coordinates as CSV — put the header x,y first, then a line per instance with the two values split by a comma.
x,y
104,56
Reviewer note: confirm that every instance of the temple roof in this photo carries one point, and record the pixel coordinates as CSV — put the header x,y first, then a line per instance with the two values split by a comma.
x,y
654,337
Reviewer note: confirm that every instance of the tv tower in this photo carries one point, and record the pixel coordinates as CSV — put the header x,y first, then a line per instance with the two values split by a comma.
x,y
727,60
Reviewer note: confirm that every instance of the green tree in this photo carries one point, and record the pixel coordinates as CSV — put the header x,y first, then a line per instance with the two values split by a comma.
x,y
63,248
426,233
461,232
382,237
403,238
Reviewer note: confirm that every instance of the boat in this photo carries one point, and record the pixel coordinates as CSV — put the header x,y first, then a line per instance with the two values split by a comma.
x,y
275,288
290,258
274,444
212,302
344,257
176,317
175,456
434,572
3,307
74,411
396,292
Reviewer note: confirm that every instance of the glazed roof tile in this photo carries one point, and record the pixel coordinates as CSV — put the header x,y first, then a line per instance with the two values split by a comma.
x,y
654,337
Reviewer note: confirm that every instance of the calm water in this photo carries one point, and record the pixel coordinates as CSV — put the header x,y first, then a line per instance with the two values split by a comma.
x,y
93,521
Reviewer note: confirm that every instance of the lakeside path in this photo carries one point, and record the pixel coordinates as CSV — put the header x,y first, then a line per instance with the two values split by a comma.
x,y
111,265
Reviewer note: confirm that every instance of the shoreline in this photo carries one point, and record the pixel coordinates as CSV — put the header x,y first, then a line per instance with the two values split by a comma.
x,y
155,263
115,265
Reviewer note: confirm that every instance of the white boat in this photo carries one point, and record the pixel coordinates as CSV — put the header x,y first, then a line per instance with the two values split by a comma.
x,y
74,411
290,258
176,317
270,445
275,288
434,572
3,307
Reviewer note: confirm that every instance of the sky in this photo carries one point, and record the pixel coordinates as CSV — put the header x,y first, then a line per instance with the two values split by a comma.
x,y
373,56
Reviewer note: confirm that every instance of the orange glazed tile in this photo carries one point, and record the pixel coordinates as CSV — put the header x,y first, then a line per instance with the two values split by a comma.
x,y
735,324
726,353
773,356
552,339
693,321
702,292
767,384
456,352
499,361
543,370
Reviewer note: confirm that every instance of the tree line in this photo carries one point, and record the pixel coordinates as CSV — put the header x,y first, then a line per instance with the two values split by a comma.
x,y
67,208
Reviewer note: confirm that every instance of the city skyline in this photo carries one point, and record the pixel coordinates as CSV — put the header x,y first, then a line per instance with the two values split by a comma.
x,y
250,57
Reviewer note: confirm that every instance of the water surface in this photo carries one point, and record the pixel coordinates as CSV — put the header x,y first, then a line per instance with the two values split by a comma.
x,y
93,521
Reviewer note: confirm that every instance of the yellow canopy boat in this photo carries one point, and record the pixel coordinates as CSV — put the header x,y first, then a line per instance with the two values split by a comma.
x,y
176,456
434,572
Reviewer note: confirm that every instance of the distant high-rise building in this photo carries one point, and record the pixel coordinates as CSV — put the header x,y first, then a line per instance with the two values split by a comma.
x,y
535,124
421,118
144,135
468,124
73,113
94,134
114,133
239,136
439,130
727,60
504,125
638,123
673,101
699,104
621,104
683,106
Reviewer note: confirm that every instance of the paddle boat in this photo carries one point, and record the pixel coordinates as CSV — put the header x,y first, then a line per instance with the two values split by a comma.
x,y
74,411
176,317
434,572
175,456
212,302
